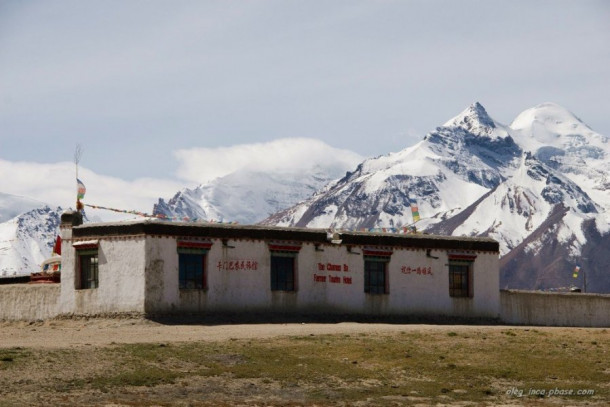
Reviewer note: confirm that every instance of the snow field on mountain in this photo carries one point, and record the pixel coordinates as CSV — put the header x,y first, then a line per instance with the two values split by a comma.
x,y
571,234
508,215
602,222
9,249
19,255
327,220
549,124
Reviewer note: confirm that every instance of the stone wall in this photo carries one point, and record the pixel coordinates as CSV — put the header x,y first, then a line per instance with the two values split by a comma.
x,y
29,302
554,309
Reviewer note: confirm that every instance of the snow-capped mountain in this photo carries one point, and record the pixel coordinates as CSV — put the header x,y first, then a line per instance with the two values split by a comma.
x,y
27,239
563,142
242,196
447,171
28,229
541,180
520,204
250,194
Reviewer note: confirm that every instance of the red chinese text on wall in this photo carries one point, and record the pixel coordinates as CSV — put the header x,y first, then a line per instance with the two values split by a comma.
x,y
422,271
237,265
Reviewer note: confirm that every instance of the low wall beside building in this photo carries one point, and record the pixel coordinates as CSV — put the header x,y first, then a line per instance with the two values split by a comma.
x,y
29,302
554,309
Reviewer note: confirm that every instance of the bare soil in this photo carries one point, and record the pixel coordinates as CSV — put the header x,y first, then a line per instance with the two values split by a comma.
x,y
66,333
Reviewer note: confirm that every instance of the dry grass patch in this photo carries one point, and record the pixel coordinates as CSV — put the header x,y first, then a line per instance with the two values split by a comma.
x,y
474,365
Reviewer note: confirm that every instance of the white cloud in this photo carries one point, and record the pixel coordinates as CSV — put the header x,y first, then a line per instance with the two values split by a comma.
x,y
200,165
55,185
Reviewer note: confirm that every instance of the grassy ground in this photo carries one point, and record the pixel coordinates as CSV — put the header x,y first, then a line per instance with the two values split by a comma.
x,y
478,366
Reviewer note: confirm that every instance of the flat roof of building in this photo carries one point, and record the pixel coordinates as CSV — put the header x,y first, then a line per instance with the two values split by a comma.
x,y
259,232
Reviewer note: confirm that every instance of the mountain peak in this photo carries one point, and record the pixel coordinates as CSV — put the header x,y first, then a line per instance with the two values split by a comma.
x,y
474,119
549,115
551,125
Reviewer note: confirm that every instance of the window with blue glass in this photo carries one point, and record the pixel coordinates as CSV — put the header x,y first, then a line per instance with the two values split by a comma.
x,y
376,260
375,276
283,264
282,272
192,273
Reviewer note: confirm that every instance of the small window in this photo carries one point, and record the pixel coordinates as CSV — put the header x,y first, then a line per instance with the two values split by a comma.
x,y
192,264
87,269
283,265
459,280
375,276
192,271
376,261
282,272
460,275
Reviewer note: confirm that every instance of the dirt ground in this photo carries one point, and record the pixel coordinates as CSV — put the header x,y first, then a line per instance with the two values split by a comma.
x,y
69,333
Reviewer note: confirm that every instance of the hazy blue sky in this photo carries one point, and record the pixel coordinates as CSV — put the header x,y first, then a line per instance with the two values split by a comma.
x,y
135,81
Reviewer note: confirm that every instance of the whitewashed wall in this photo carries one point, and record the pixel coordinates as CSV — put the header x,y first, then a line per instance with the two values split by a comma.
x,y
121,279
28,302
555,309
242,290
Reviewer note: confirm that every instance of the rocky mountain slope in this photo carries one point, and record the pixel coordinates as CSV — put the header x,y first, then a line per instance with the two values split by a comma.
x,y
538,186
27,239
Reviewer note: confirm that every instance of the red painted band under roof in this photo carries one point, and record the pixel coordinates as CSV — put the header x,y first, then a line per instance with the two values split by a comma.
x,y
86,247
85,244
378,253
470,257
194,245
284,248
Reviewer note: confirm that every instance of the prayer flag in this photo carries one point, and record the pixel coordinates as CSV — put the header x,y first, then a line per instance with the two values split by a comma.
x,y
414,209
81,189
576,270
57,246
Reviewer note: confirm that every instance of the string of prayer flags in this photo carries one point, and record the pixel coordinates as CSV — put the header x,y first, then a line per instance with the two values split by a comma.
x,y
159,216
400,230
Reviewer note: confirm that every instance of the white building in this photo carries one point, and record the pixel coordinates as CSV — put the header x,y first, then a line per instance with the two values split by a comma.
x,y
155,268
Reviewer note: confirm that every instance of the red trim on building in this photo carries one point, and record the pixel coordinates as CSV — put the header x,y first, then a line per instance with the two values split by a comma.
x,y
377,252
194,244
86,245
284,248
462,256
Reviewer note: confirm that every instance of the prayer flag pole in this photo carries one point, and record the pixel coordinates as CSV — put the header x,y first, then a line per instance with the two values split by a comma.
x,y
80,187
